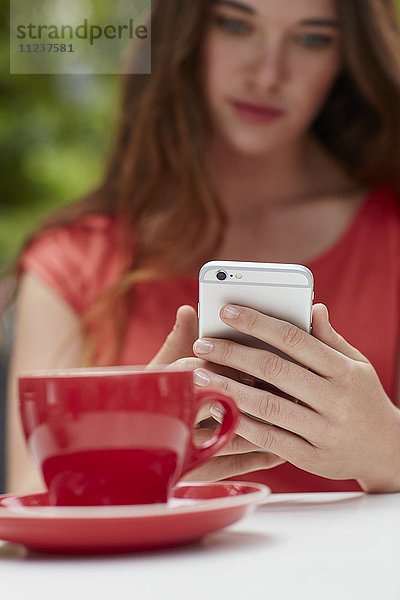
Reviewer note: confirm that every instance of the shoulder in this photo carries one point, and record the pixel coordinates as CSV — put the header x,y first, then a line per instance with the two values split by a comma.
x,y
79,232
77,260
79,243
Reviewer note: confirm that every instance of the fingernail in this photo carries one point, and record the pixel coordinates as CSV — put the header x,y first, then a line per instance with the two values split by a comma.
x,y
201,378
217,412
203,346
230,312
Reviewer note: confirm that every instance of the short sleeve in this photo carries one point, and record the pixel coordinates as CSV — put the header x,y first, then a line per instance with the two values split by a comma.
x,y
78,261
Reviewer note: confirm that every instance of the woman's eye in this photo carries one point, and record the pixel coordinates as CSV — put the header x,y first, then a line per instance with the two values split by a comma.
x,y
314,40
234,26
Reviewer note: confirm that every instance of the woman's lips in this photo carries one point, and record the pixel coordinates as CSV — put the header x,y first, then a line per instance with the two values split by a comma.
x,y
256,113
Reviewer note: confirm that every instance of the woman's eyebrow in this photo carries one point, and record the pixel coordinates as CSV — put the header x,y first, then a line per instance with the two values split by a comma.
x,y
233,4
332,23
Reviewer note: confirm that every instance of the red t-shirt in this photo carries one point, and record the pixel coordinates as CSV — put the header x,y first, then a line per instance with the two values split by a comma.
x,y
358,279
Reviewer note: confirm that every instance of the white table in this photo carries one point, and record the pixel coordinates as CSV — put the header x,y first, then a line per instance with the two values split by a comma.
x,y
302,546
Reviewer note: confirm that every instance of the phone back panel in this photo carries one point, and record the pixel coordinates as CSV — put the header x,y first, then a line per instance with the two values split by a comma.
x,y
284,291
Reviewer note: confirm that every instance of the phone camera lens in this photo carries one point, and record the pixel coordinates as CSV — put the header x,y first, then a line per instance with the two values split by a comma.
x,y
221,275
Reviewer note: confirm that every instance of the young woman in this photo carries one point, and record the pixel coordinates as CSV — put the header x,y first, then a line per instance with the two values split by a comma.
x,y
268,131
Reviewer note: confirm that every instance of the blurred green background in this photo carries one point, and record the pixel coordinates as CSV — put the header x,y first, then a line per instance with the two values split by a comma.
x,y
55,134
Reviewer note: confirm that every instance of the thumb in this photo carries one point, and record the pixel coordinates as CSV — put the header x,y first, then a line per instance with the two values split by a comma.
x,y
323,331
179,342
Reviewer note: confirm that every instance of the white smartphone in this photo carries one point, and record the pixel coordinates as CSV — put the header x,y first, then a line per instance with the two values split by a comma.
x,y
284,291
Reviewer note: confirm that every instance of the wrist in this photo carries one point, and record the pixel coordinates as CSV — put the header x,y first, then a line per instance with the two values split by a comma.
x,y
385,476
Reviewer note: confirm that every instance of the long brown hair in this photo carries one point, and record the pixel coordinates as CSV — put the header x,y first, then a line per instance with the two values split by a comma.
x,y
156,185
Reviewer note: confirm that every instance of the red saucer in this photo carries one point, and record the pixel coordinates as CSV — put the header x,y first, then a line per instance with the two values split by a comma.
x,y
194,510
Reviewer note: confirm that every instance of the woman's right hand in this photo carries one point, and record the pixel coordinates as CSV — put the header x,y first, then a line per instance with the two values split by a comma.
x,y
239,456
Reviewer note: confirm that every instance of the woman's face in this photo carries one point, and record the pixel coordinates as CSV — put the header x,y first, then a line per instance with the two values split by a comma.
x,y
269,65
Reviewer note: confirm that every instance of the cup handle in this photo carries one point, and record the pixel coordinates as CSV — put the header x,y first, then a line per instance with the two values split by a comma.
x,y
200,454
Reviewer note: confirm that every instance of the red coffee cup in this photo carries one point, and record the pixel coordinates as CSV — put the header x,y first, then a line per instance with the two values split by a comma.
x,y
116,435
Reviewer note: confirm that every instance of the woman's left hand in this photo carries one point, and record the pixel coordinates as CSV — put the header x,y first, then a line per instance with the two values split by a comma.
x,y
345,426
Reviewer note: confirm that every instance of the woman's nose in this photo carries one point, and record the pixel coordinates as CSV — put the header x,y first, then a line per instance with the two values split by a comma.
x,y
268,69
